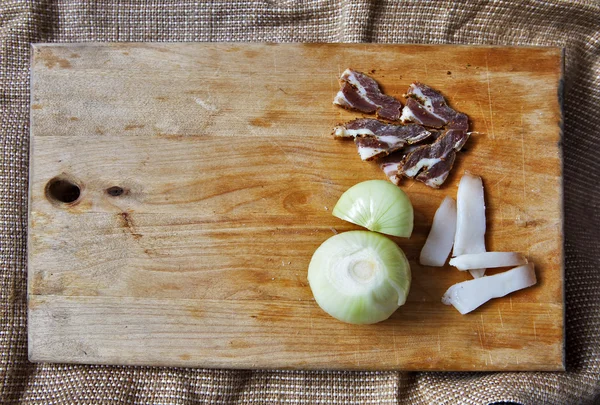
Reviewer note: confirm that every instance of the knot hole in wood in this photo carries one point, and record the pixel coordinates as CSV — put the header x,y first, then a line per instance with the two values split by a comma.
x,y
62,190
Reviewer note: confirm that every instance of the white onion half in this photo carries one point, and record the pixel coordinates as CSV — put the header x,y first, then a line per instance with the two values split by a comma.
x,y
359,277
379,206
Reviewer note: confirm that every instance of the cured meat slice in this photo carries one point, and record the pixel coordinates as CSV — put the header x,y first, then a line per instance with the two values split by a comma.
x,y
426,106
457,131
360,92
435,175
376,138
397,146
413,133
460,122
370,148
415,112
431,164
392,163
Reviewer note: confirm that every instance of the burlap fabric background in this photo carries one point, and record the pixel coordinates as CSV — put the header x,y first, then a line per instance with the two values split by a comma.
x,y
571,24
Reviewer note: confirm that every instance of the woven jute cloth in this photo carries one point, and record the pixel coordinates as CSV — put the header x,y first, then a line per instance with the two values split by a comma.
x,y
574,25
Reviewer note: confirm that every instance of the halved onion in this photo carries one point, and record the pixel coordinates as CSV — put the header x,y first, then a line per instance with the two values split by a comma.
x,y
359,277
379,206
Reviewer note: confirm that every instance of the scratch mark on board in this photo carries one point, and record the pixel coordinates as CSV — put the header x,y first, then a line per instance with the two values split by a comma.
x,y
481,341
216,72
207,106
278,146
487,71
357,351
331,85
500,181
395,347
482,325
497,185
487,128
523,153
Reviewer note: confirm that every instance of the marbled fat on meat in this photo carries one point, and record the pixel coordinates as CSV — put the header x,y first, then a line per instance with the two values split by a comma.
x,y
410,150
360,92
391,163
375,138
431,164
426,106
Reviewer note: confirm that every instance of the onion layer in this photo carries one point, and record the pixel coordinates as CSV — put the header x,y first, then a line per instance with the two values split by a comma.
x,y
379,206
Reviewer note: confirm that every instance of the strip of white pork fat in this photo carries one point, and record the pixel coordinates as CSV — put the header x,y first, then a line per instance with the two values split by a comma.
x,y
426,106
471,294
441,236
375,138
431,164
470,219
487,260
361,92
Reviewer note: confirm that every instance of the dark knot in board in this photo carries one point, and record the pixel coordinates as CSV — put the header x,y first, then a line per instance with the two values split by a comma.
x,y
115,191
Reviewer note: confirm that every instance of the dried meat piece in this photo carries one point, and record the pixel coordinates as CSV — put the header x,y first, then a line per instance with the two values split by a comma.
x,y
391,170
434,176
460,122
426,106
360,92
415,112
413,133
432,163
391,164
375,138
457,131
410,150
370,148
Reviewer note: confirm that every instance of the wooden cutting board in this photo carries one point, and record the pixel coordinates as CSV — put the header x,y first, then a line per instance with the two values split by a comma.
x,y
206,176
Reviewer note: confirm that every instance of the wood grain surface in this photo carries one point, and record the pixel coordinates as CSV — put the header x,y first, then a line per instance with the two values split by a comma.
x,y
207,176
